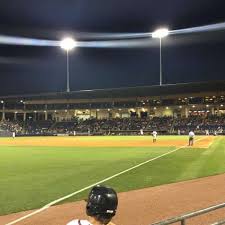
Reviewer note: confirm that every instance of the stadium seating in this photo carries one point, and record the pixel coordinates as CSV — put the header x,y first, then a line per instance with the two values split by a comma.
x,y
132,125
200,124
7,127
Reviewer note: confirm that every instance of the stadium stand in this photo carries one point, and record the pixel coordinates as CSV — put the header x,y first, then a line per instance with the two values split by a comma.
x,y
122,111
37,127
93,126
200,124
8,127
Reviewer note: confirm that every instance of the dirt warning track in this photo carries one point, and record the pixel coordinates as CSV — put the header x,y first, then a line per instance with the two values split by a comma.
x,y
98,142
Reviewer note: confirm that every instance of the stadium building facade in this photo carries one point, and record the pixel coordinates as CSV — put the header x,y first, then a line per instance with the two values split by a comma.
x,y
178,100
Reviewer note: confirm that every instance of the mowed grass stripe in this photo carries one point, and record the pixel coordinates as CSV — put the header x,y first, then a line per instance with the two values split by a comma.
x,y
35,176
185,164
32,177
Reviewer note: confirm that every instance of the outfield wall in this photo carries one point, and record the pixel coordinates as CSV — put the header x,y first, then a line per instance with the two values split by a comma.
x,y
4,133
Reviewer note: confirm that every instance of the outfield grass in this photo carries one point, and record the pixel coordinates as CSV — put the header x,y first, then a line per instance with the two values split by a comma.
x,y
31,177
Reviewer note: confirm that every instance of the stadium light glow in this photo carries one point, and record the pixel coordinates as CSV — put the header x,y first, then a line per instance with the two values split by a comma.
x,y
2,101
68,44
160,33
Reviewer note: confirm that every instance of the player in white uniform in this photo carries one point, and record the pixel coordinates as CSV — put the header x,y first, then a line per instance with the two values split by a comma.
x,y
13,134
79,222
154,136
141,132
191,138
101,207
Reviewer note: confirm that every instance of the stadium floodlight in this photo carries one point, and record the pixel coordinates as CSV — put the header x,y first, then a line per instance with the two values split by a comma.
x,y
68,44
2,101
160,33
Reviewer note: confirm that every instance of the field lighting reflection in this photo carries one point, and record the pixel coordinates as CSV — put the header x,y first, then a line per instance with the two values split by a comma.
x,y
108,40
9,40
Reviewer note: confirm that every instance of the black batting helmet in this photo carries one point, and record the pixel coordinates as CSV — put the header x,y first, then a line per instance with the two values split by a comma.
x,y
102,201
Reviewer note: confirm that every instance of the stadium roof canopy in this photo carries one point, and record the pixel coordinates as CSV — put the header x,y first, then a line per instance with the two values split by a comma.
x,y
164,91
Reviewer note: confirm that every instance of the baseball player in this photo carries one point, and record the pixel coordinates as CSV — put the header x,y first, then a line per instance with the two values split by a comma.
x,y
191,138
154,136
141,131
13,134
101,207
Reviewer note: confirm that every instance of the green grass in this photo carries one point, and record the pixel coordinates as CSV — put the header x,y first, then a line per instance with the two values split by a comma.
x,y
31,177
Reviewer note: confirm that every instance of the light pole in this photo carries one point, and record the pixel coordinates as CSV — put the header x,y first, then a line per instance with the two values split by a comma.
x,y
24,109
68,44
160,33
3,110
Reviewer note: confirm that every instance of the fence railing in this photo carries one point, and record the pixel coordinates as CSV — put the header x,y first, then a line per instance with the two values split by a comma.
x,y
182,219
219,222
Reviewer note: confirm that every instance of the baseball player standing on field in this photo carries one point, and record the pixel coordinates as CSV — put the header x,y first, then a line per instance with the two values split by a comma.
x,y
101,207
191,138
206,132
154,136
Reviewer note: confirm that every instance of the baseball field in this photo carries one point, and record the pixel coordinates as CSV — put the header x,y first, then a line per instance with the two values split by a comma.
x,y
35,171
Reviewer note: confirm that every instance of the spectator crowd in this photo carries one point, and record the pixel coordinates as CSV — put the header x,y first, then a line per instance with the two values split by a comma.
x,y
118,126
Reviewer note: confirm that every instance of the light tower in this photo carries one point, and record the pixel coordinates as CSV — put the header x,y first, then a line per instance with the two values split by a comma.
x,y
68,44
160,33
3,109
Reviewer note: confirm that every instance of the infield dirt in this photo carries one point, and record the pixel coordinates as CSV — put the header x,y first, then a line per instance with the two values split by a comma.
x,y
93,142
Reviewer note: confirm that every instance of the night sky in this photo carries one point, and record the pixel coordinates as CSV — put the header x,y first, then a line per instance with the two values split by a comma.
x,y
186,58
